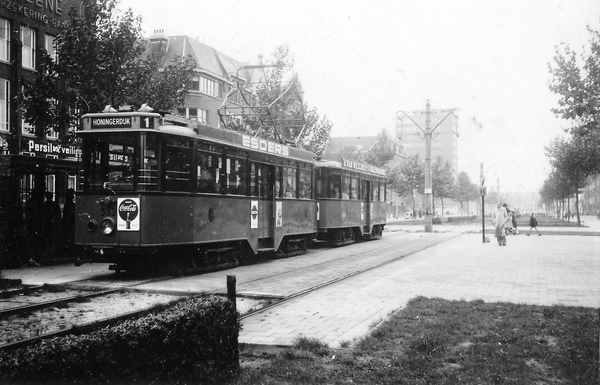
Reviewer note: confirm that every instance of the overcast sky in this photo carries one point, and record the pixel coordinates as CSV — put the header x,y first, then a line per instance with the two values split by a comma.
x,y
360,62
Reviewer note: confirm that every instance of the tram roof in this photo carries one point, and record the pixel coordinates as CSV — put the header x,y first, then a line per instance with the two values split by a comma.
x,y
193,130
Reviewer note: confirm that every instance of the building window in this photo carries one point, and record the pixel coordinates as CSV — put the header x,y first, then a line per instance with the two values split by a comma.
x,y
4,103
28,51
206,86
50,46
4,40
199,114
26,128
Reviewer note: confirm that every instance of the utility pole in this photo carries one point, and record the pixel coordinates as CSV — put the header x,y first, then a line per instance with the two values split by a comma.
x,y
482,192
427,132
428,192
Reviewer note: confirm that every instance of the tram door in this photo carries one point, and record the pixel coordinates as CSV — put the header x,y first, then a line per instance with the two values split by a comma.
x,y
266,222
366,190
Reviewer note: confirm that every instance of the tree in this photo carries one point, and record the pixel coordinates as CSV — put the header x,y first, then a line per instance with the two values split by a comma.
x,y
465,190
569,157
101,61
442,181
351,152
281,90
407,178
576,79
382,152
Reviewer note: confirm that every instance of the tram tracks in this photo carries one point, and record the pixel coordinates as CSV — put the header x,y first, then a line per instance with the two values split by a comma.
x,y
345,275
23,325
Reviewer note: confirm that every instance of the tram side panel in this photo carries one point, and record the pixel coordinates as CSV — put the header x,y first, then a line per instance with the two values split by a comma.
x,y
294,218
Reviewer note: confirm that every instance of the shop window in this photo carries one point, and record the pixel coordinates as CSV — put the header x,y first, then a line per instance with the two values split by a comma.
x,y
4,104
4,40
28,49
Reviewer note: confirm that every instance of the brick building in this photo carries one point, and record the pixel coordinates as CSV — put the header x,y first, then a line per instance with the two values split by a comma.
x,y
30,158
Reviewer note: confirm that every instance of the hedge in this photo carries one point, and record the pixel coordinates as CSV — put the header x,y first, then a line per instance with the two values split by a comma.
x,y
195,339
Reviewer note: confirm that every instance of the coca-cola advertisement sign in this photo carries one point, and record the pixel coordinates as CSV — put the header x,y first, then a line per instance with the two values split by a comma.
x,y
128,217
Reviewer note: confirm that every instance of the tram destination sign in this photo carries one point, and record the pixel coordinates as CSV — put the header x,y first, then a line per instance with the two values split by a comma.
x,y
363,167
111,122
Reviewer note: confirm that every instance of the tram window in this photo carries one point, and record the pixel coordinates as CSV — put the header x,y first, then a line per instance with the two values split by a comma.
x,y
375,194
265,180
334,185
353,188
278,191
110,161
148,171
305,183
237,171
346,187
178,159
289,182
209,170
321,183
364,190
305,187
253,184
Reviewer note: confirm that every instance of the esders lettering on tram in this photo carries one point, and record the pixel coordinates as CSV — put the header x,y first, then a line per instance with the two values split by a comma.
x,y
264,145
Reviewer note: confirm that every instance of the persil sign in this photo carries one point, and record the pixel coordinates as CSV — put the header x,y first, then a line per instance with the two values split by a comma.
x,y
264,145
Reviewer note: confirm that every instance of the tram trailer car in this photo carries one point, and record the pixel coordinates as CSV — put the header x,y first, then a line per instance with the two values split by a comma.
x,y
171,188
351,201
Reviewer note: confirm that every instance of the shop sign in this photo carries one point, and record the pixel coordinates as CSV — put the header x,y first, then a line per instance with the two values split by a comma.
x,y
48,12
50,148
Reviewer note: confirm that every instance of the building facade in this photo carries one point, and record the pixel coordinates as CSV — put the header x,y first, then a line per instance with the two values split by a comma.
x,y
216,75
32,159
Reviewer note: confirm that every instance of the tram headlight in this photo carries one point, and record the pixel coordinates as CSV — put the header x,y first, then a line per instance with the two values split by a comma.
x,y
107,226
92,225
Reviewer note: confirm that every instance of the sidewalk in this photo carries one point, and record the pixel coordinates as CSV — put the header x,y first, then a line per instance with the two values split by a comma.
x,y
591,227
544,270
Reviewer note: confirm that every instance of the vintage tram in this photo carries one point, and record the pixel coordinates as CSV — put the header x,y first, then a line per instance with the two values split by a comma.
x,y
351,201
160,186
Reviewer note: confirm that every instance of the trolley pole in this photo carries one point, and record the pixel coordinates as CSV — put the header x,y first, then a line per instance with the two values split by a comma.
x,y
428,192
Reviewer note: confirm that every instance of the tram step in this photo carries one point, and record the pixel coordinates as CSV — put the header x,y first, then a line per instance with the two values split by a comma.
x,y
266,249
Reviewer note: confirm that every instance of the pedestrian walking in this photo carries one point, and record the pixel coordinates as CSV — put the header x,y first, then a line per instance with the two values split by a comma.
x,y
533,225
499,217
514,223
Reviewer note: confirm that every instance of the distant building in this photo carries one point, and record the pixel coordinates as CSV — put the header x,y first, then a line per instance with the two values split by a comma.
x,y
215,76
444,141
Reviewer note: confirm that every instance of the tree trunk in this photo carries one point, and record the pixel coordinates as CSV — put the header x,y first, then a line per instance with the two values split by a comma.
x,y
577,208
442,199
